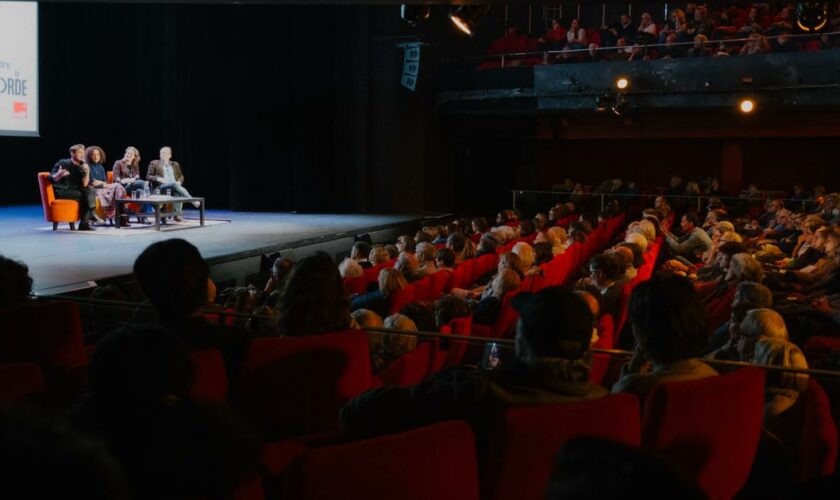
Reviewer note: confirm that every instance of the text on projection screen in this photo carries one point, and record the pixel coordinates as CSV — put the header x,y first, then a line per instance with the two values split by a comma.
x,y
18,68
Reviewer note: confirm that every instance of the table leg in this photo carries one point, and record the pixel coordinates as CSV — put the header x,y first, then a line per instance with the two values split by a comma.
x,y
157,216
201,212
118,215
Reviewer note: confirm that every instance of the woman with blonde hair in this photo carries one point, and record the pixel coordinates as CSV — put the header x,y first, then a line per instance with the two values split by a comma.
x,y
488,309
378,255
379,301
557,237
127,173
527,256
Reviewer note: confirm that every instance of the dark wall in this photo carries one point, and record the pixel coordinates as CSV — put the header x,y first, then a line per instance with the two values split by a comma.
x,y
266,107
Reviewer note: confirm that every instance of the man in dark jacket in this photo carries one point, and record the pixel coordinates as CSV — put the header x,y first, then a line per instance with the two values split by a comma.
x,y
71,181
552,341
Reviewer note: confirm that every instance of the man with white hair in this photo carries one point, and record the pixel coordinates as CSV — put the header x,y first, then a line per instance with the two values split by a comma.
x,y
165,174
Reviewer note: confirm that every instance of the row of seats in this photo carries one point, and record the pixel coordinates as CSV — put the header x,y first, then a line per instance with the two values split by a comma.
x,y
708,430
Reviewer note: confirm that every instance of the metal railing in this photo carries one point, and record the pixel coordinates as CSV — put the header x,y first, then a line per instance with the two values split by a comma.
x,y
643,47
699,200
502,343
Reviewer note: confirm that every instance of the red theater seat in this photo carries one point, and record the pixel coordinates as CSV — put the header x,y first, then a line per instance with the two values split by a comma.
x,y
818,443
400,298
436,462
522,452
21,381
46,333
708,429
292,386
210,382
410,368
437,283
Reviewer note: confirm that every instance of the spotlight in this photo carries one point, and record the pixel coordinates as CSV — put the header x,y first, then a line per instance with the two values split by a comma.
x,y
746,106
415,14
811,16
622,83
467,17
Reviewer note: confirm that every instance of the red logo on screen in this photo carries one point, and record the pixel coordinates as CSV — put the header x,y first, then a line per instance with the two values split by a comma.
x,y
20,110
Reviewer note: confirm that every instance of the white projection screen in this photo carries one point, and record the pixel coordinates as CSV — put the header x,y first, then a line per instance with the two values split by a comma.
x,y
19,68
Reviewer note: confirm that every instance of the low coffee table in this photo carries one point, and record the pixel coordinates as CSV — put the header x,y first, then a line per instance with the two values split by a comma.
x,y
159,201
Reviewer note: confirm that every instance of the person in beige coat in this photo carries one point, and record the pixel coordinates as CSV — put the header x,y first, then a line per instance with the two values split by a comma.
x,y
165,174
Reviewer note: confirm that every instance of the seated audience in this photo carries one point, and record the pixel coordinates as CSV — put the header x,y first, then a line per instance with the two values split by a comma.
x,y
174,277
606,276
379,301
350,268
694,241
305,309
360,253
759,324
426,259
16,284
168,445
552,340
669,325
445,260
748,295
488,308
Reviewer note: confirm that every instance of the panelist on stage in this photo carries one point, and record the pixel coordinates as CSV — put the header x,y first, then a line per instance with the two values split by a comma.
x,y
71,181
127,173
167,174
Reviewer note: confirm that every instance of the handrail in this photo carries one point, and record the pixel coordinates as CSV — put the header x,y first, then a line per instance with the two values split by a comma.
x,y
509,343
763,196
644,46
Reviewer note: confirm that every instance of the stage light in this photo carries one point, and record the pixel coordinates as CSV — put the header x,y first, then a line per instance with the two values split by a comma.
x,y
746,106
415,14
811,16
467,17
622,83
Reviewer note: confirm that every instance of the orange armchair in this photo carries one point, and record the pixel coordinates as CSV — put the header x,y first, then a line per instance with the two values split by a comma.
x,y
56,211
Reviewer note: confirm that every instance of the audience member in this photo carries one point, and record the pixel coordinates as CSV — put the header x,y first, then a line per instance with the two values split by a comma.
x,y
669,325
306,309
552,340
16,283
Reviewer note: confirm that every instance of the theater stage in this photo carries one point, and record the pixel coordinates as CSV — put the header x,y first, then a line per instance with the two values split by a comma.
x,y
64,261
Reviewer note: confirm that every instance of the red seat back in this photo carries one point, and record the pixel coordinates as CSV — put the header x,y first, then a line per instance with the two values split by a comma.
x,y
410,368
402,297
522,453
296,385
605,327
623,306
48,334
506,322
210,381
456,279
432,462
21,381
422,288
818,444
708,429
817,349
355,286
437,283
467,267
371,274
